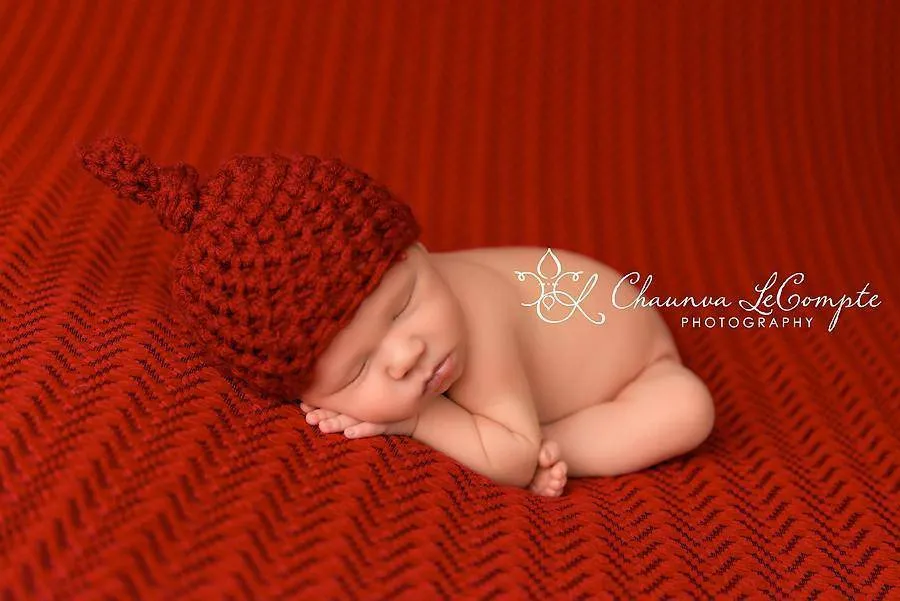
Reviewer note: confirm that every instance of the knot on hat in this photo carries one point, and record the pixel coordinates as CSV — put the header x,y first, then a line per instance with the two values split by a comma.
x,y
171,190
279,252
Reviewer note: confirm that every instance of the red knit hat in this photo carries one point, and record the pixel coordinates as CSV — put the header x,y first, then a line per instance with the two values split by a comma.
x,y
279,252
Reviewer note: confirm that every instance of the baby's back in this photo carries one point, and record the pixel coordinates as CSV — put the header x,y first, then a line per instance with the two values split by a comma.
x,y
573,363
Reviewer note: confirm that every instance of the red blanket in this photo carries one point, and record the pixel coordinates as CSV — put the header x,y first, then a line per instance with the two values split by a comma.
x,y
711,144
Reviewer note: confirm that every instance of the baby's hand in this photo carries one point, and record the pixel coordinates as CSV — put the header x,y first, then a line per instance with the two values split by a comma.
x,y
331,421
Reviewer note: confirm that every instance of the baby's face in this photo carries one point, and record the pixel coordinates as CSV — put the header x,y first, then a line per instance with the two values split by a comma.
x,y
376,368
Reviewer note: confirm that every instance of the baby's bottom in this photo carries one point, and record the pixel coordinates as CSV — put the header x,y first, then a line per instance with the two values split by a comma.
x,y
664,412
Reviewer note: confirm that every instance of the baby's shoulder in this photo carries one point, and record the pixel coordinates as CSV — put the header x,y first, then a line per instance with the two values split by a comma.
x,y
484,294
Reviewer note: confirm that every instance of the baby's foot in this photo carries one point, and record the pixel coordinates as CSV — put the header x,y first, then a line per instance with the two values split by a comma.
x,y
550,477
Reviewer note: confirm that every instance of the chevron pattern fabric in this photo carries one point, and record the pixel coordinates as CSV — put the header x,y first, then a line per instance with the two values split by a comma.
x,y
710,144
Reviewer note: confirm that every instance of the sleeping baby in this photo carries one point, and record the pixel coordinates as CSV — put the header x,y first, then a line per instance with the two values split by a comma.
x,y
305,279
445,350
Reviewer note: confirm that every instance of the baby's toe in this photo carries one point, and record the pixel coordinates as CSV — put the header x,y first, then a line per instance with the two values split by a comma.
x,y
541,483
549,453
559,484
538,486
558,470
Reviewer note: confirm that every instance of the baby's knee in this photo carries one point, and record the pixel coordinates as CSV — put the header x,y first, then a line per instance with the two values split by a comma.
x,y
694,404
697,404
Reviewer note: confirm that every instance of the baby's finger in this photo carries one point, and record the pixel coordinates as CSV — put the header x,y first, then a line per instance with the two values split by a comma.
x,y
364,429
337,423
306,408
319,415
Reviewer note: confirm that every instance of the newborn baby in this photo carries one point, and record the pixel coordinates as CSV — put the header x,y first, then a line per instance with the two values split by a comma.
x,y
302,276
444,351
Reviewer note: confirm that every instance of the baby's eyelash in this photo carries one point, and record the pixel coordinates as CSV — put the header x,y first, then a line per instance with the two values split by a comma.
x,y
408,301
360,371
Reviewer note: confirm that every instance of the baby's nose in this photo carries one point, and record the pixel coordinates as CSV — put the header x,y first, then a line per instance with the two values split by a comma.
x,y
406,365
407,361
402,369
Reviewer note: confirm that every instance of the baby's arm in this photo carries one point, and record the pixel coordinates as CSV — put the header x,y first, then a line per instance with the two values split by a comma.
x,y
478,442
491,424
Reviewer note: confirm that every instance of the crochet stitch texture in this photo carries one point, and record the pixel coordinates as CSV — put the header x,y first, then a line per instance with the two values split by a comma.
x,y
279,253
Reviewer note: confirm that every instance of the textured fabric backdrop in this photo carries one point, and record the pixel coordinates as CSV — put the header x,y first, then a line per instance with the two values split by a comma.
x,y
707,143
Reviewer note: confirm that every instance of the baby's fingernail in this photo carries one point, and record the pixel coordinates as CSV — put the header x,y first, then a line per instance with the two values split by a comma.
x,y
350,432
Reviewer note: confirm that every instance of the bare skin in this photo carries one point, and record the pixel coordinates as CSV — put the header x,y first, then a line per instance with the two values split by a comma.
x,y
550,476
582,399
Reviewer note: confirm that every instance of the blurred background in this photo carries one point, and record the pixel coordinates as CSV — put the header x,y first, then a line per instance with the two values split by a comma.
x,y
651,135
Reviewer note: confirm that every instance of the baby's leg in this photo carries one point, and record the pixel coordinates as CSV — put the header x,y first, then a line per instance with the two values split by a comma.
x,y
664,412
